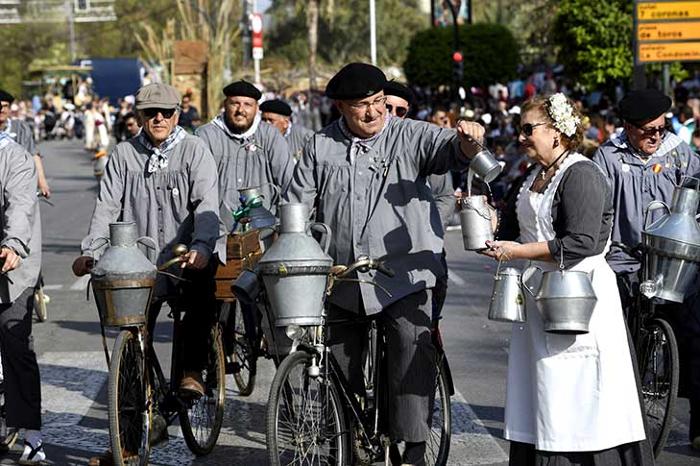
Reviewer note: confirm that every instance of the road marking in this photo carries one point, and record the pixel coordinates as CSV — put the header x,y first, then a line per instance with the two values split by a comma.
x,y
52,287
471,443
456,279
81,283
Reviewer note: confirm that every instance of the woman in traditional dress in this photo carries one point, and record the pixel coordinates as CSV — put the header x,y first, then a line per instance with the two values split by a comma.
x,y
571,399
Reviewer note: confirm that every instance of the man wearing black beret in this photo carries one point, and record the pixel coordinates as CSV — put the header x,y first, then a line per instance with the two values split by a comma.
x,y
365,176
644,163
279,114
248,152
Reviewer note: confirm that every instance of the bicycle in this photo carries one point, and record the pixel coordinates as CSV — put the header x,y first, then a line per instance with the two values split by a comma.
x,y
314,417
138,390
657,360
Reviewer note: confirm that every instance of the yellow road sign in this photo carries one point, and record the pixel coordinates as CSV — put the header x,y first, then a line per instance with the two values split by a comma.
x,y
675,51
668,31
654,11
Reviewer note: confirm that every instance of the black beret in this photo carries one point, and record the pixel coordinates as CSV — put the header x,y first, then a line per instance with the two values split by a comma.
x,y
276,106
644,104
355,81
399,90
243,89
6,96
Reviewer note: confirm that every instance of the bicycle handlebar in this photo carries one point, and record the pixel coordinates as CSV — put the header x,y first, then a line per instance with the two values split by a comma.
x,y
365,264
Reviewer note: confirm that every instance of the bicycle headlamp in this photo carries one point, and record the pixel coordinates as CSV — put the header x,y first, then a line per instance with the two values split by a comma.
x,y
294,332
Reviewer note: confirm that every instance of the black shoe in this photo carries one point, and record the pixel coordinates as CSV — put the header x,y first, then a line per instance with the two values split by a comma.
x,y
414,454
8,437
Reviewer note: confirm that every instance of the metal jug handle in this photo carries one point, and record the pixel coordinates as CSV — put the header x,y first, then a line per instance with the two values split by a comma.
x,y
149,243
526,276
325,230
688,177
105,242
654,205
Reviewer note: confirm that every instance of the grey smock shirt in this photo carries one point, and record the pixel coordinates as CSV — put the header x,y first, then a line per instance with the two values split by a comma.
x,y
175,204
17,217
297,136
257,158
22,134
635,184
373,195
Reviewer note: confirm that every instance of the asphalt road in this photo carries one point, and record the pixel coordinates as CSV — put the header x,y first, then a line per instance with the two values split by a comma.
x,y
74,374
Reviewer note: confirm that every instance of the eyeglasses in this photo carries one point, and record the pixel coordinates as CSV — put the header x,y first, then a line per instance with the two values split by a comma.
x,y
650,132
528,128
153,112
377,104
400,111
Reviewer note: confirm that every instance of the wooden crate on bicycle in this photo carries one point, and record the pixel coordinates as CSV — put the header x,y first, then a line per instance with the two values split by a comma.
x,y
242,252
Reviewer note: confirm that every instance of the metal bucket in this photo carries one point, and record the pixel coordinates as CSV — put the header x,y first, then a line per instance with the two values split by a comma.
x,y
507,300
566,300
486,166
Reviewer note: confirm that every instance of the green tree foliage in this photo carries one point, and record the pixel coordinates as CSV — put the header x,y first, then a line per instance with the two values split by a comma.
x,y
490,54
343,33
594,40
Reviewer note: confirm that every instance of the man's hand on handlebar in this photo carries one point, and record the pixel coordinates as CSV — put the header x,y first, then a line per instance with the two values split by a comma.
x,y
193,260
82,265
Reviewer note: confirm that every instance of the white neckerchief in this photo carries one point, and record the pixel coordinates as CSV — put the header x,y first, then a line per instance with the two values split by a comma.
x,y
5,139
158,160
245,136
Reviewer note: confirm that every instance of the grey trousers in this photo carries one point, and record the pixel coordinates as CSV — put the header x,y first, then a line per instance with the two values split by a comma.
x,y
410,368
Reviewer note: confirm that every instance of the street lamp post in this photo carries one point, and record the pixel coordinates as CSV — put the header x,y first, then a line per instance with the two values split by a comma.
x,y
458,70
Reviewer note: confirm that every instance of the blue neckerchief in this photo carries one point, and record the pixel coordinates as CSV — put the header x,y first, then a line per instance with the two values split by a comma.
x,y
158,160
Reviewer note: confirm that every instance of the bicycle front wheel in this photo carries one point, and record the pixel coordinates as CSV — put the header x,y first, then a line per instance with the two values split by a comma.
x,y
305,421
202,418
438,444
129,405
658,367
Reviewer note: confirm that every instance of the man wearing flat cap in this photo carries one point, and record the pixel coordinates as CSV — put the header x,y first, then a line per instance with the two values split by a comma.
x,y
365,176
248,152
279,114
165,181
644,163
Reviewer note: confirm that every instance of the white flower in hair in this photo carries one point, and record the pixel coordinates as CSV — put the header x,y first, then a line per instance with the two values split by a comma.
x,y
562,113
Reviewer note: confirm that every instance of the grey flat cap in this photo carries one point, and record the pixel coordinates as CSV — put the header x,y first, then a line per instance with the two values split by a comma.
x,y
157,95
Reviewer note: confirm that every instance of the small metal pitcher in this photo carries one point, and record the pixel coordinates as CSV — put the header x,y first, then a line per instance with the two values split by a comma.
x,y
565,298
475,221
486,166
507,300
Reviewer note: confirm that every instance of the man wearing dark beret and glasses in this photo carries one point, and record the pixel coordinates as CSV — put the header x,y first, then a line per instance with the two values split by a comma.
x,y
279,114
248,152
365,176
644,163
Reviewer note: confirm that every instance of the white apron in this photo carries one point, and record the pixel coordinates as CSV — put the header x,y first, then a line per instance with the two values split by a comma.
x,y
569,393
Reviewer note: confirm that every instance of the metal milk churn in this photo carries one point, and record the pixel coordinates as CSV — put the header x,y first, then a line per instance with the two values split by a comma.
x,y
565,298
295,269
507,300
475,221
123,278
672,244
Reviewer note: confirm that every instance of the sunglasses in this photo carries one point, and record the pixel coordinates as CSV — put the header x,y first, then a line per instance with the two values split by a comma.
x,y
528,128
650,132
153,112
400,111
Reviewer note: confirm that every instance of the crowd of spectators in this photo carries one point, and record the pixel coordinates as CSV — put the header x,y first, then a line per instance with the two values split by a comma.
x,y
85,116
